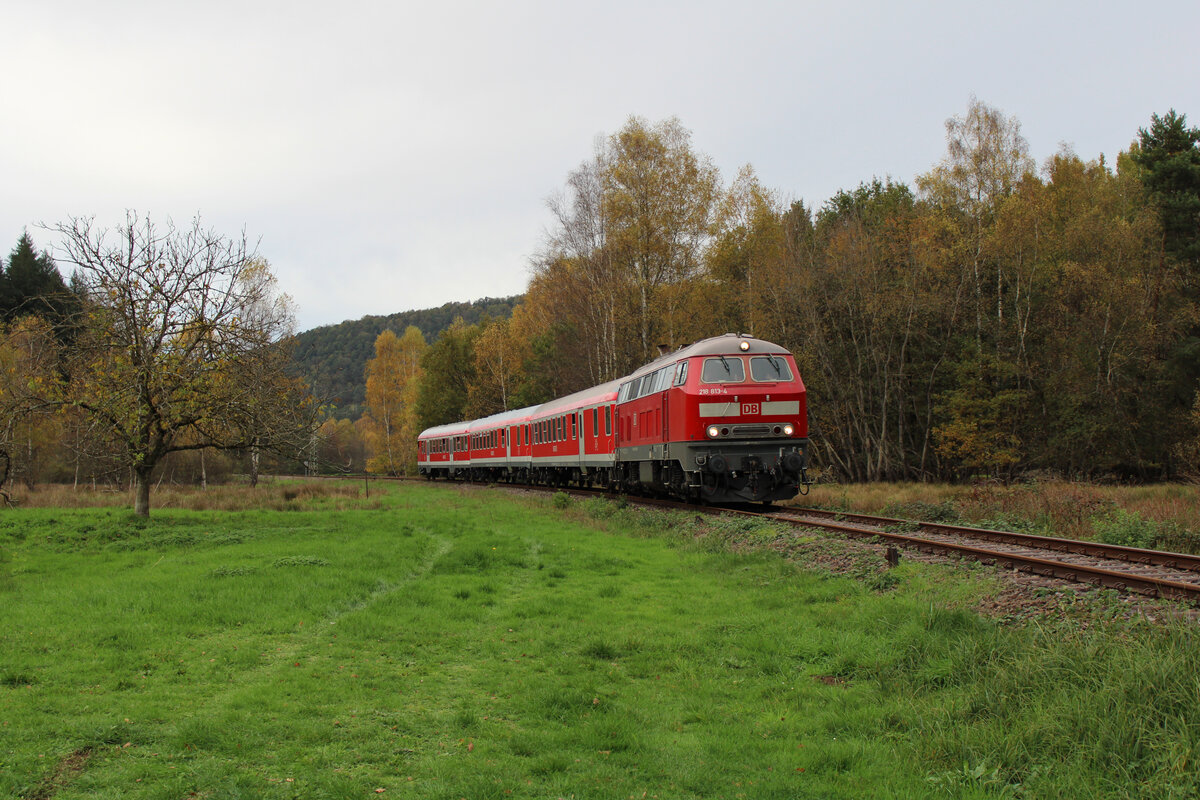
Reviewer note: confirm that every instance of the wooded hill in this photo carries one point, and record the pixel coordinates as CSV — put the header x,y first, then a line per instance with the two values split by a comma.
x,y
332,358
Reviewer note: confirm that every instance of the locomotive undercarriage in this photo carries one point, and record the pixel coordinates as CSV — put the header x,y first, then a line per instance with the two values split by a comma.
x,y
733,472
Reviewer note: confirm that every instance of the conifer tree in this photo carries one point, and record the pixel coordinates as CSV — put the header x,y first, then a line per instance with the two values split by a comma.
x,y
1170,155
32,284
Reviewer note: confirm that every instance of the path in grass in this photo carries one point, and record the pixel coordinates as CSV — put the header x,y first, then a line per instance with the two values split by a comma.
x,y
468,644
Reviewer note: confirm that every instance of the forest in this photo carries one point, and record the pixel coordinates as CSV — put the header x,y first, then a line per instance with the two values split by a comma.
x,y
332,358
1000,317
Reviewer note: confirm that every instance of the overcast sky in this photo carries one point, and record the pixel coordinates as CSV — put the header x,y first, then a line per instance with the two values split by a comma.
x,y
390,156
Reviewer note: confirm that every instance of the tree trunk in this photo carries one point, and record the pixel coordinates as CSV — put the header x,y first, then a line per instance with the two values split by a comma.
x,y
254,466
141,489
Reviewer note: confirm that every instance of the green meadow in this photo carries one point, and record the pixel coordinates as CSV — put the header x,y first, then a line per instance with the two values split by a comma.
x,y
439,642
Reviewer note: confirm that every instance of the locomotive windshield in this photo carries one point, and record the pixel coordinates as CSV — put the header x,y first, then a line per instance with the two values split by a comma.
x,y
723,370
769,369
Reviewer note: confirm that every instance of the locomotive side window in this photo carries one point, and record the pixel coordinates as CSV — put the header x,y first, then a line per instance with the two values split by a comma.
x,y
664,378
681,373
723,369
769,369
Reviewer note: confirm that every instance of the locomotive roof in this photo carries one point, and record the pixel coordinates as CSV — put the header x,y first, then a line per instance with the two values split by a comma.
x,y
726,345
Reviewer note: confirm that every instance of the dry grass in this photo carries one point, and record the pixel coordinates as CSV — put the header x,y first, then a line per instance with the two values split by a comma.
x,y
1067,509
281,495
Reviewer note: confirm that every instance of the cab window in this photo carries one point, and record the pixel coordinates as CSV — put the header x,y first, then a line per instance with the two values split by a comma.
x,y
681,373
770,369
728,369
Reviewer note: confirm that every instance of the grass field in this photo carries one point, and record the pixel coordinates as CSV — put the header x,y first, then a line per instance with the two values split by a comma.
x,y
434,642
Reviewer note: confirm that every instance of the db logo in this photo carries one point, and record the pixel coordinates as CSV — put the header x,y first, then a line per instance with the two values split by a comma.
x,y
749,409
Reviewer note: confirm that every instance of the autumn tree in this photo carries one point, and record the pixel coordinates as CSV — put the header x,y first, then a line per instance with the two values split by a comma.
x,y
660,199
986,158
30,421
182,345
447,373
625,255
392,377
747,261
500,352
576,281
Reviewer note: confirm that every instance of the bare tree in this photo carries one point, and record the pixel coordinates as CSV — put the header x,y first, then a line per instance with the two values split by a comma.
x,y
182,345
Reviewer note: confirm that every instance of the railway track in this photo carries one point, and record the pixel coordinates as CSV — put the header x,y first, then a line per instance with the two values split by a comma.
x,y
1150,572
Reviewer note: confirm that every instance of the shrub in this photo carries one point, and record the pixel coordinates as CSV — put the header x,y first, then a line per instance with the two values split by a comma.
x,y
1126,528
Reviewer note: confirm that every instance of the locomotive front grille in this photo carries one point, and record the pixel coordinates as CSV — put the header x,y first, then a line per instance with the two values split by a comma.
x,y
751,430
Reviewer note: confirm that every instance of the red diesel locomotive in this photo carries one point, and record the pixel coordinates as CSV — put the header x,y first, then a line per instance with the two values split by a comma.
x,y
722,420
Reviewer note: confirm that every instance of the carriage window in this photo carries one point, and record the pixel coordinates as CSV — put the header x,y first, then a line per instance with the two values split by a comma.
x,y
726,369
769,369
595,422
573,433
608,420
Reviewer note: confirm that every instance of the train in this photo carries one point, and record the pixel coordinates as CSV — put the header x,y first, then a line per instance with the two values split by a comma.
x,y
720,421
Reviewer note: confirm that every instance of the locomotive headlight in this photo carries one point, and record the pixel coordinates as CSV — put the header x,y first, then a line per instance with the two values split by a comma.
x,y
744,346
713,431
789,429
